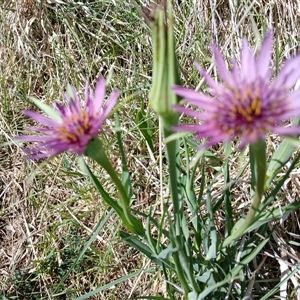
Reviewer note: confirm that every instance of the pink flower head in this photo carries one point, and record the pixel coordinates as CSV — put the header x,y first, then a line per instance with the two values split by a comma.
x,y
247,103
73,127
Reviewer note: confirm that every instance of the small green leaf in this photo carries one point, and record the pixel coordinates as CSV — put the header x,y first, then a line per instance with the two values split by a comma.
x,y
70,92
176,136
166,252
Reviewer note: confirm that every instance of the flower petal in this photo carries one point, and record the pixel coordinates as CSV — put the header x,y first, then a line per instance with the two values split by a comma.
x,y
210,81
291,130
220,63
191,95
247,62
289,74
99,94
110,104
40,118
34,138
264,56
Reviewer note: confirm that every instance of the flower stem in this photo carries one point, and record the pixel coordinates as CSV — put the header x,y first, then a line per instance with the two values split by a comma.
x,y
176,237
96,151
258,150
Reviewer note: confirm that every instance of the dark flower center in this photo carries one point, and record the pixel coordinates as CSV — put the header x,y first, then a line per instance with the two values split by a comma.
x,y
245,104
74,126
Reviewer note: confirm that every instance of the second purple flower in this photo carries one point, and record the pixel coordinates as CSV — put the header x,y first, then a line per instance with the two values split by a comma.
x,y
247,103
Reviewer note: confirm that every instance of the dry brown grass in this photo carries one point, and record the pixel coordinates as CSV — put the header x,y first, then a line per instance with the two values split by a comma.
x,y
45,221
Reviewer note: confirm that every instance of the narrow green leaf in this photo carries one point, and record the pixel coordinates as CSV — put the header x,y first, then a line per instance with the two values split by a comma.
x,y
107,286
126,181
137,244
273,214
279,284
214,287
143,127
151,241
112,203
87,245
280,157
253,252
211,233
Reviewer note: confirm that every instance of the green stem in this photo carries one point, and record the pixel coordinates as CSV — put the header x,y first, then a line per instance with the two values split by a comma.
x,y
180,259
96,151
258,150
172,149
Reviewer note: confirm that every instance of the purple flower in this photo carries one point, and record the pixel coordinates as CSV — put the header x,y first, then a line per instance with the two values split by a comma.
x,y
73,127
247,103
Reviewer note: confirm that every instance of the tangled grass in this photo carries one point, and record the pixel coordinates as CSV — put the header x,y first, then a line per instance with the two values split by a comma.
x,y
49,212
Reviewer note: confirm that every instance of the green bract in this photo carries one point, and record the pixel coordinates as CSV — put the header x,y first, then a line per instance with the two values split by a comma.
x,y
165,67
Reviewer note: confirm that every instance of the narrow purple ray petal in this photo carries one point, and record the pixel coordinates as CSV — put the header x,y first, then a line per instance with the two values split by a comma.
x,y
34,138
210,81
210,143
189,112
264,56
289,73
76,107
291,113
89,99
291,130
40,118
37,155
110,104
62,109
236,72
220,63
247,62
99,94
250,138
79,150
191,95
294,96
87,91
40,129
187,127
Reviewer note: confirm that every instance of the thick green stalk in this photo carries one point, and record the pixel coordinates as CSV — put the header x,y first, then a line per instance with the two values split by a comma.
x,y
258,150
172,155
